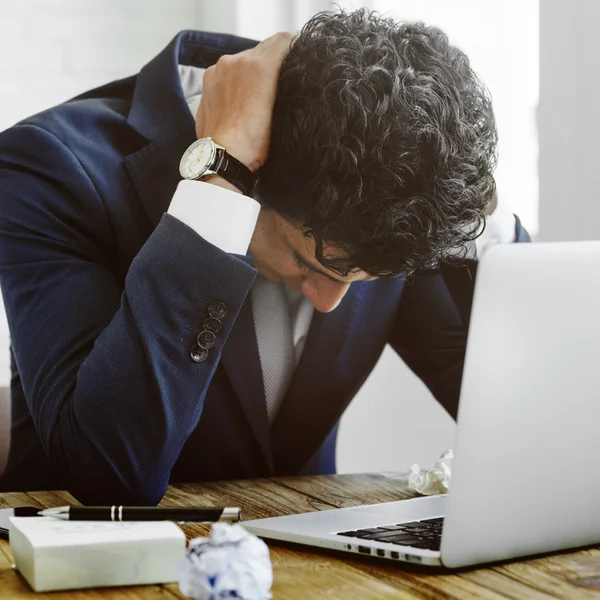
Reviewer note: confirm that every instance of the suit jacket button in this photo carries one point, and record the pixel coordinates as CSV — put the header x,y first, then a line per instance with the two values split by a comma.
x,y
217,310
212,324
206,340
198,354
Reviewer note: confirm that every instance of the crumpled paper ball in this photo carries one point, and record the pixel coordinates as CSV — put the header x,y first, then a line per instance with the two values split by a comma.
x,y
434,481
231,563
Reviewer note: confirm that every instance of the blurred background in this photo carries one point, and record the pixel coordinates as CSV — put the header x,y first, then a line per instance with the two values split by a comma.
x,y
51,50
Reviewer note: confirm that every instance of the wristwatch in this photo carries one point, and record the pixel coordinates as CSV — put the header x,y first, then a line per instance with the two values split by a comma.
x,y
204,157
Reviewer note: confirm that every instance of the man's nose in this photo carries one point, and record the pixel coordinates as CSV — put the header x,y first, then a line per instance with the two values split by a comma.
x,y
324,295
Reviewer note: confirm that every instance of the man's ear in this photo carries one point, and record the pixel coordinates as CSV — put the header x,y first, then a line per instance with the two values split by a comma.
x,y
491,207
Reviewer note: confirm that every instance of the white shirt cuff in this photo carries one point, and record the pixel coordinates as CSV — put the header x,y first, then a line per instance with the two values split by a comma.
x,y
222,217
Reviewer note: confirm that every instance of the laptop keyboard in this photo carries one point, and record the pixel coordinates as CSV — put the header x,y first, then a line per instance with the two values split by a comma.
x,y
425,534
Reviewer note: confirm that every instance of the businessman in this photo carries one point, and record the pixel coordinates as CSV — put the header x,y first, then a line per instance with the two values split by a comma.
x,y
201,264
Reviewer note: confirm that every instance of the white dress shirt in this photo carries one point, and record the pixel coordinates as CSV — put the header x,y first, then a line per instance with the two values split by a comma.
x,y
227,219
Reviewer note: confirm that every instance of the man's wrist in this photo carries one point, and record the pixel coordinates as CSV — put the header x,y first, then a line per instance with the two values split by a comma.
x,y
221,182
237,148
206,158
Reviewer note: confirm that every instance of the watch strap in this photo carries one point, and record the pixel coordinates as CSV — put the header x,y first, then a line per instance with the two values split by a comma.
x,y
234,171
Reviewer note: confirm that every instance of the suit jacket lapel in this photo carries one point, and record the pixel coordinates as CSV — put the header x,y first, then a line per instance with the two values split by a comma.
x,y
158,103
319,389
154,169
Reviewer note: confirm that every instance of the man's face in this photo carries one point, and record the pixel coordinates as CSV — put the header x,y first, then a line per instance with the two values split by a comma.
x,y
282,253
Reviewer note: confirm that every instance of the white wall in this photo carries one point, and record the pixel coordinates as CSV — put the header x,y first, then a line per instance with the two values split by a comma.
x,y
569,121
51,50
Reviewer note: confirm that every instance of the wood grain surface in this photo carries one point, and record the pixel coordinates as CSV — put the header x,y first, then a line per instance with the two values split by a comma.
x,y
305,573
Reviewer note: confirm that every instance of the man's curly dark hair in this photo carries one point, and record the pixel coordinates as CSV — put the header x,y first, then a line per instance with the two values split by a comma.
x,y
383,143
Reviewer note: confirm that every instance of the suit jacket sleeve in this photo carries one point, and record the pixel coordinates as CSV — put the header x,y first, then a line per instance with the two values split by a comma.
x,y
105,363
431,329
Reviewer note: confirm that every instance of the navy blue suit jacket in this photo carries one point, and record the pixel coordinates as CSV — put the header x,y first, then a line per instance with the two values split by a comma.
x,y
105,295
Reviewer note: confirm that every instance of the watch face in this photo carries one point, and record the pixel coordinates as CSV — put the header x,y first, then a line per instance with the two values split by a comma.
x,y
197,159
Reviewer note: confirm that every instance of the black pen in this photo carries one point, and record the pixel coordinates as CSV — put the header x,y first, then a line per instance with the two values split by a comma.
x,y
144,513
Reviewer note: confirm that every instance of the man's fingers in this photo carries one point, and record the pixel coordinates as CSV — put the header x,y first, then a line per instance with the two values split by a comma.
x,y
208,73
239,91
277,46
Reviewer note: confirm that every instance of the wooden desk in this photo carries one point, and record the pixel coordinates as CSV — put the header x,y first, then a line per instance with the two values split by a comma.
x,y
304,573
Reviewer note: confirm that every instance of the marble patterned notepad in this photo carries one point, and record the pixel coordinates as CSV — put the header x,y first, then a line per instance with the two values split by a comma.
x,y
58,555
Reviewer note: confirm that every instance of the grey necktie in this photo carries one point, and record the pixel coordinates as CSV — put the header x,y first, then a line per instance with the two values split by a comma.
x,y
275,341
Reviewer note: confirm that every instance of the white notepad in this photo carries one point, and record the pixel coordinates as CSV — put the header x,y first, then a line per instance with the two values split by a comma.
x,y
52,554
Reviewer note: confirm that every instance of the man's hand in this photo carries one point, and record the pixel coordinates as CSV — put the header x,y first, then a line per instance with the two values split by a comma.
x,y
238,95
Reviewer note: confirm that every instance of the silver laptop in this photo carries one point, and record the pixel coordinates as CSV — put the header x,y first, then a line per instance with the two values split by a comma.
x,y
525,477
